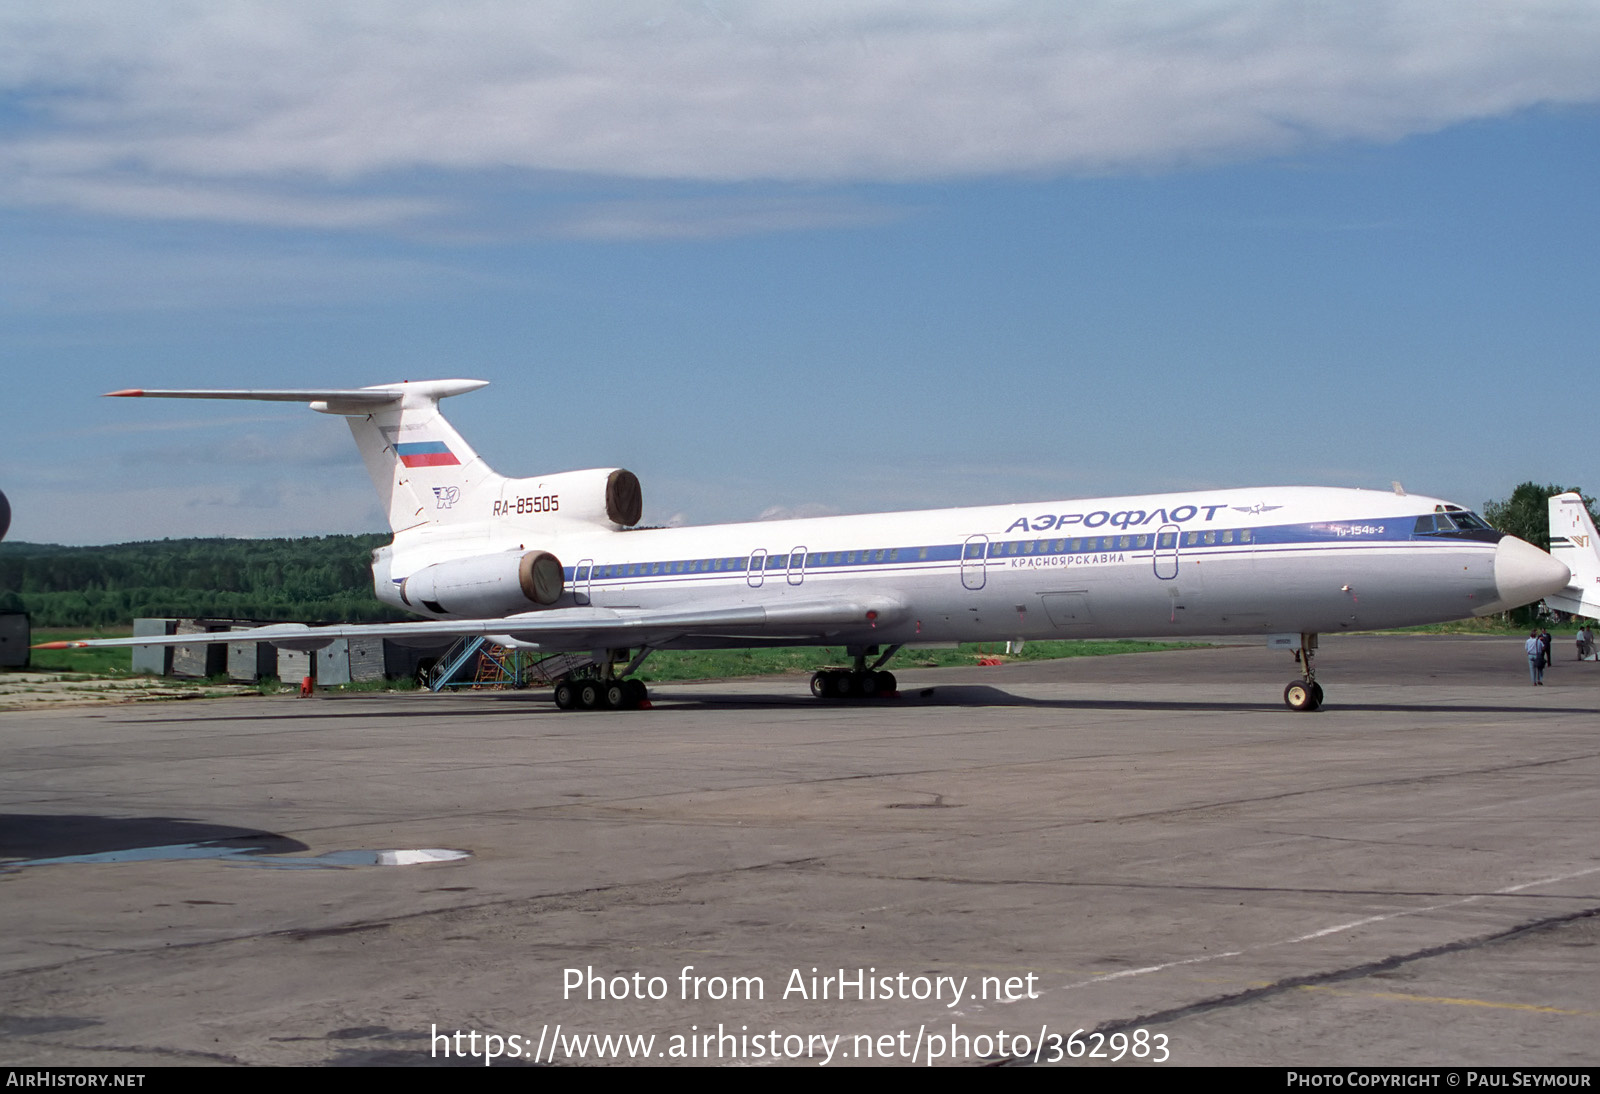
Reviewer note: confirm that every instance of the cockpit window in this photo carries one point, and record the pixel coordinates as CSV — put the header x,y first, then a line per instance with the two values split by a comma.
x,y
1458,523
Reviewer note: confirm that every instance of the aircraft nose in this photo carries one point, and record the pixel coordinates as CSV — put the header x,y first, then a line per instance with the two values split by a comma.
x,y
1523,573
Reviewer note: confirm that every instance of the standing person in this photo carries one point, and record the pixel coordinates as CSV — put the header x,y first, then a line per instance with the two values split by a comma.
x,y
1544,645
1585,642
1535,650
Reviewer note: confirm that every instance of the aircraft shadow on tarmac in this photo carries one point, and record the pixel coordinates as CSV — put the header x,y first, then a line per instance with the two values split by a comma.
x,y
942,695
983,695
28,838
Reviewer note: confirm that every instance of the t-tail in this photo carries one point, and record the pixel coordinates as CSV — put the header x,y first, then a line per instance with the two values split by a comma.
x,y
1573,542
425,472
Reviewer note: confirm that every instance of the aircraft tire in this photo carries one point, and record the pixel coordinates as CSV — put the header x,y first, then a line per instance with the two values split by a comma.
x,y
844,685
868,683
1316,695
887,684
566,696
819,685
637,693
590,696
1300,696
614,696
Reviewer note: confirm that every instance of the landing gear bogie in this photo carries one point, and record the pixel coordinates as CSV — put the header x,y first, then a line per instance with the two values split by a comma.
x,y
601,695
847,684
606,683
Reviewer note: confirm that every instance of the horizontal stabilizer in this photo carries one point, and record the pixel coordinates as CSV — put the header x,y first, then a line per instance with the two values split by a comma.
x,y
376,396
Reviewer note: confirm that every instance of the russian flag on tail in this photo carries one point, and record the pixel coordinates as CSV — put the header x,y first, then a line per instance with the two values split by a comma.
x,y
426,454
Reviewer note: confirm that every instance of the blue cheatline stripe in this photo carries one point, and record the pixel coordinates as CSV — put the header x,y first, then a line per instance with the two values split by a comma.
x,y
1216,541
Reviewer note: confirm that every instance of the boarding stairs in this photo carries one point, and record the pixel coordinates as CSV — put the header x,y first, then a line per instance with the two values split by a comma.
x,y
476,662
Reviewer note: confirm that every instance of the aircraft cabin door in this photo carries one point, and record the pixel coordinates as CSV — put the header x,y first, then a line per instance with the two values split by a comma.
x,y
582,580
756,573
797,565
1166,553
974,564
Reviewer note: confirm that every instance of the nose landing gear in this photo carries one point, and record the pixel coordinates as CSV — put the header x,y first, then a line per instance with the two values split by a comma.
x,y
1305,693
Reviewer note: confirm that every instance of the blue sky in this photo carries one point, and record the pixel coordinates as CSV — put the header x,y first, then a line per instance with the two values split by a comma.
x,y
797,258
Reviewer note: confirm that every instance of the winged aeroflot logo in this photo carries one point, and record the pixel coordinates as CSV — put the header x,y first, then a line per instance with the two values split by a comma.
x,y
447,495
1257,508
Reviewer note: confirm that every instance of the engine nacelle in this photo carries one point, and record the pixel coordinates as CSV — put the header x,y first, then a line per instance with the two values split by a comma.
x,y
599,496
486,586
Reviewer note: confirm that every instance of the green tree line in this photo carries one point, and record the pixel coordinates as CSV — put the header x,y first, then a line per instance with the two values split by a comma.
x,y
1526,513
317,579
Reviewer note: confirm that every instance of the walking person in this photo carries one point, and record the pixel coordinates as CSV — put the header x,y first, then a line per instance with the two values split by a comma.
x,y
1544,644
1535,650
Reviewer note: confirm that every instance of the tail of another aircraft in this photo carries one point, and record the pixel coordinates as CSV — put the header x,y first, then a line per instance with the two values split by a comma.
x,y
1573,542
424,471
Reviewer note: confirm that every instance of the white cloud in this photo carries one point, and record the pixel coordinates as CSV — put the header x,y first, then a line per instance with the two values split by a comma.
x,y
251,111
709,218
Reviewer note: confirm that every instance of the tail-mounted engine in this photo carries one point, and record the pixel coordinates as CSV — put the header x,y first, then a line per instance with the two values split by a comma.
x,y
485,586
608,497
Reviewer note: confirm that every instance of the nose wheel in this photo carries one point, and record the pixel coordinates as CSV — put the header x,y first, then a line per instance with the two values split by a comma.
x,y
1304,693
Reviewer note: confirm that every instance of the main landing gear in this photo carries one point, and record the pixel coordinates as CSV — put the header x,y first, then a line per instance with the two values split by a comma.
x,y
860,682
1304,693
601,687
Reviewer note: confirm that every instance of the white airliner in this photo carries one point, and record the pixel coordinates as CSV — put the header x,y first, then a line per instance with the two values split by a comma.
x,y
555,563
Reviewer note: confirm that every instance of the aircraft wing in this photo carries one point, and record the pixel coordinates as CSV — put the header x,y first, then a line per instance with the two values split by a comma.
x,y
562,629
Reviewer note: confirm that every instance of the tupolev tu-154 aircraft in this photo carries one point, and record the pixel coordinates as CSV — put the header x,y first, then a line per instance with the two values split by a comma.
x,y
556,563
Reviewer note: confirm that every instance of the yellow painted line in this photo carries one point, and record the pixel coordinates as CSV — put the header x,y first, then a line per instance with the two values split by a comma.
x,y
1406,998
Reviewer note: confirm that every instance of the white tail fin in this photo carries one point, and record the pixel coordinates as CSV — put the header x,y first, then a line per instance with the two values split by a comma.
x,y
1574,543
425,473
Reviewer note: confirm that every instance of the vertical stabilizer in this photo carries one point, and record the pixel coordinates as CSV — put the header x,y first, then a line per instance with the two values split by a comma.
x,y
424,471
1573,542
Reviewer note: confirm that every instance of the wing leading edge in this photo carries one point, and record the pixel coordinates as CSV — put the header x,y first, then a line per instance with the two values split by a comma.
x,y
566,629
